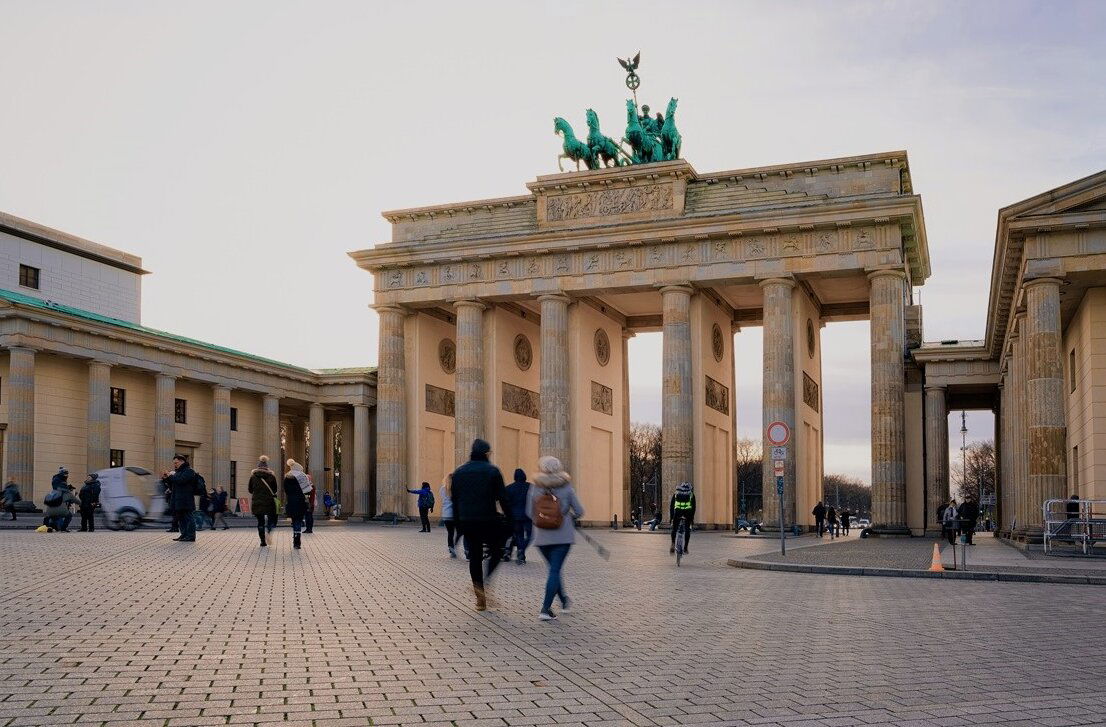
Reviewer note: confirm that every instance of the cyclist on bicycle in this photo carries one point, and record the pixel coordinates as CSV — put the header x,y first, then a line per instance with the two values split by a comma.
x,y
682,508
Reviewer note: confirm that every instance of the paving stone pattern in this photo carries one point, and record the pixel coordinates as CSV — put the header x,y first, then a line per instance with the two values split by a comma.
x,y
373,625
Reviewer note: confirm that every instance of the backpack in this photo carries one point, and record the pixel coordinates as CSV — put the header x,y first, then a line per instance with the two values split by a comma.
x,y
53,498
547,511
426,499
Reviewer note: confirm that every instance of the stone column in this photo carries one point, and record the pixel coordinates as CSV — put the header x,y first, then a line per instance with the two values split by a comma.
x,y
778,395
1018,422
360,450
391,412
21,419
270,431
469,408
627,485
165,426
937,454
554,378
1000,458
316,465
677,464
1045,396
888,387
220,436
99,416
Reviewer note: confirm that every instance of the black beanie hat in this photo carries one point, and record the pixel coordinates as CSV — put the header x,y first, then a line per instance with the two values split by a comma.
x,y
520,476
480,448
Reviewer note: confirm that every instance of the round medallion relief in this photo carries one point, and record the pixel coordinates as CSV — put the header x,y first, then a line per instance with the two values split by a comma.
x,y
447,355
810,338
716,342
602,347
524,355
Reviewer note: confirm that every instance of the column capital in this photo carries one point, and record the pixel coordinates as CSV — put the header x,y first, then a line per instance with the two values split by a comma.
x,y
469,303
360,406
219,388
788,281
936,387
23,349
557,296
268,397
315,405
887,272
627,334
1047,280
681,287
99,362
163,376
389,308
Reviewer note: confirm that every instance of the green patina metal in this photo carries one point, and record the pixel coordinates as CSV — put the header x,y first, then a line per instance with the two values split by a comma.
x,y
648,138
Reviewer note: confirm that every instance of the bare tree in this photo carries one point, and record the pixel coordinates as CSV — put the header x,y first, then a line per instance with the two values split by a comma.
x,y
844,492
980,471
645,465
748,456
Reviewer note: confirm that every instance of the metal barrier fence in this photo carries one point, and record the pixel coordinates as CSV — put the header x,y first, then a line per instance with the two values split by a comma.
x,y
1080,522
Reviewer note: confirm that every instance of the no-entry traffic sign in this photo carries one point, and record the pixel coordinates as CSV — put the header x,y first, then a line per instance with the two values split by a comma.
x,y
778,433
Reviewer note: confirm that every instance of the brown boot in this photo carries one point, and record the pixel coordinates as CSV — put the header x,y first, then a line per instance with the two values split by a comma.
x,y
481,601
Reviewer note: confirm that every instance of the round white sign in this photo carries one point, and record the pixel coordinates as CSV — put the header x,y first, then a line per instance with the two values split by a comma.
x,y
778,433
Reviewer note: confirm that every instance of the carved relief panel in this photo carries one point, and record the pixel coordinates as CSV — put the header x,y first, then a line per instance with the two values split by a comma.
x,y
602,398
718,396
518,400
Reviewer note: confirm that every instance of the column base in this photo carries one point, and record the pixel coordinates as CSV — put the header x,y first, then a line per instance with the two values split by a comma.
x,y
1029,535
900,531
391,517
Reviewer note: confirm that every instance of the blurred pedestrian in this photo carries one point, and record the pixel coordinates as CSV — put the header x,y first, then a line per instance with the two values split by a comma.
x,y
425,504
186,485
448,520
819,513
89,496
205,513
968,513
831,519
11,496
950,523
477,489
263,498
309,497
517,493
297,487
552,505
218,513
845,515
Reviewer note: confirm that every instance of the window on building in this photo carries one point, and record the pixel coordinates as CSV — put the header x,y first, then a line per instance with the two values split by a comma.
x,y
180,411
118,401
117,458
28,276
233,484
234,419
1071,368
1075,470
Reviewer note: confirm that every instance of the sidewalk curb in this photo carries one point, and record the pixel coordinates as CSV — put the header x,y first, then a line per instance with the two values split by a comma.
x,y
838,570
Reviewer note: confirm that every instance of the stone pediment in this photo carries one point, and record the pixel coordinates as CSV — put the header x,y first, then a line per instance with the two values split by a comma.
x,y
1083,196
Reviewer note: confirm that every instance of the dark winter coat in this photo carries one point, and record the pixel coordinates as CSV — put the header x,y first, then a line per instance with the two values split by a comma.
x,y
185,484
90,494
205,501
62,509
517,493
263,492
968,513
672,508
11,494
220,501
58,481
819,512
831,515
477,488
295,502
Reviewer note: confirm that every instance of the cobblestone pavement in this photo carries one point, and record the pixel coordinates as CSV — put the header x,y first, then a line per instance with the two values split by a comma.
x,y
374,625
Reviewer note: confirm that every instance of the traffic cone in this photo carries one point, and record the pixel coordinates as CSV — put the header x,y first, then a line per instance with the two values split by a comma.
x,y
935,565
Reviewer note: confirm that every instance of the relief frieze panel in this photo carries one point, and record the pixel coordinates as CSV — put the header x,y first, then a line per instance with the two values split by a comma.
x,y
602,398
518,400
609,203
810,392
440,401
718,396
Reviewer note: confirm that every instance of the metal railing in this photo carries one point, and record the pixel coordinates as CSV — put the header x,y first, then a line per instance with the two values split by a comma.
x,y
1081,522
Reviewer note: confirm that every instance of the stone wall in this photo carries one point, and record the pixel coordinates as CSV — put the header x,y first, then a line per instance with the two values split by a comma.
x,y
1085,336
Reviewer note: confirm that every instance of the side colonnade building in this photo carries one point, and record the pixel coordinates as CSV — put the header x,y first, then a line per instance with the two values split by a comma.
x,y
85,386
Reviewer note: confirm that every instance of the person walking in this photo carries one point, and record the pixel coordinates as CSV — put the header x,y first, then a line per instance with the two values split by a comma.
x,y
969,517
263,497
218,513
552,504
207,517
11,496
819,513
517,496
452,532
309,497
831,519
477,489
297,486
950,522
185,484
426,505
89,496
845,515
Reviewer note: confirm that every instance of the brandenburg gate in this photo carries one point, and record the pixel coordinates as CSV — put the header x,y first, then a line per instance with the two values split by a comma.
x,y
508,319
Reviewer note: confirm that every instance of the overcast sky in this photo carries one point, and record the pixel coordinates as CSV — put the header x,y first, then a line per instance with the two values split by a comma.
x,y
236,144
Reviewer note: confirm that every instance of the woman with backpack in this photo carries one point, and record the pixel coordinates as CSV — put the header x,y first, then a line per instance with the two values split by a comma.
x,y
263,498
552,505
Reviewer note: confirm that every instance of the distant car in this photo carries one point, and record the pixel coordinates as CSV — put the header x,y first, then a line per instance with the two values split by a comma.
x,y
863,523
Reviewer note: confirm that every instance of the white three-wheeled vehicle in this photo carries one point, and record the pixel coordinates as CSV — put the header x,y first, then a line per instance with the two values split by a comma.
x,y
129,496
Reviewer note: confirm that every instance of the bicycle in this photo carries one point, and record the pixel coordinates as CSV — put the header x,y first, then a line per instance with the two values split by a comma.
x,y
681,540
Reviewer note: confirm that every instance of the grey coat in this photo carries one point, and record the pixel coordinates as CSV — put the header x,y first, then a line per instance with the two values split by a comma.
x,y
570,508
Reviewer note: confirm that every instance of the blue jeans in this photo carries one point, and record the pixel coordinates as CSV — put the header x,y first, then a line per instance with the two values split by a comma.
x,y
554,555
297,525
524,529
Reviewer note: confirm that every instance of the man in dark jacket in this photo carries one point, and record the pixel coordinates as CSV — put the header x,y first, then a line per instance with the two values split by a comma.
x,y
682,508
968,512
517,492
90,500
477,489
185,484
11,496
819,513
